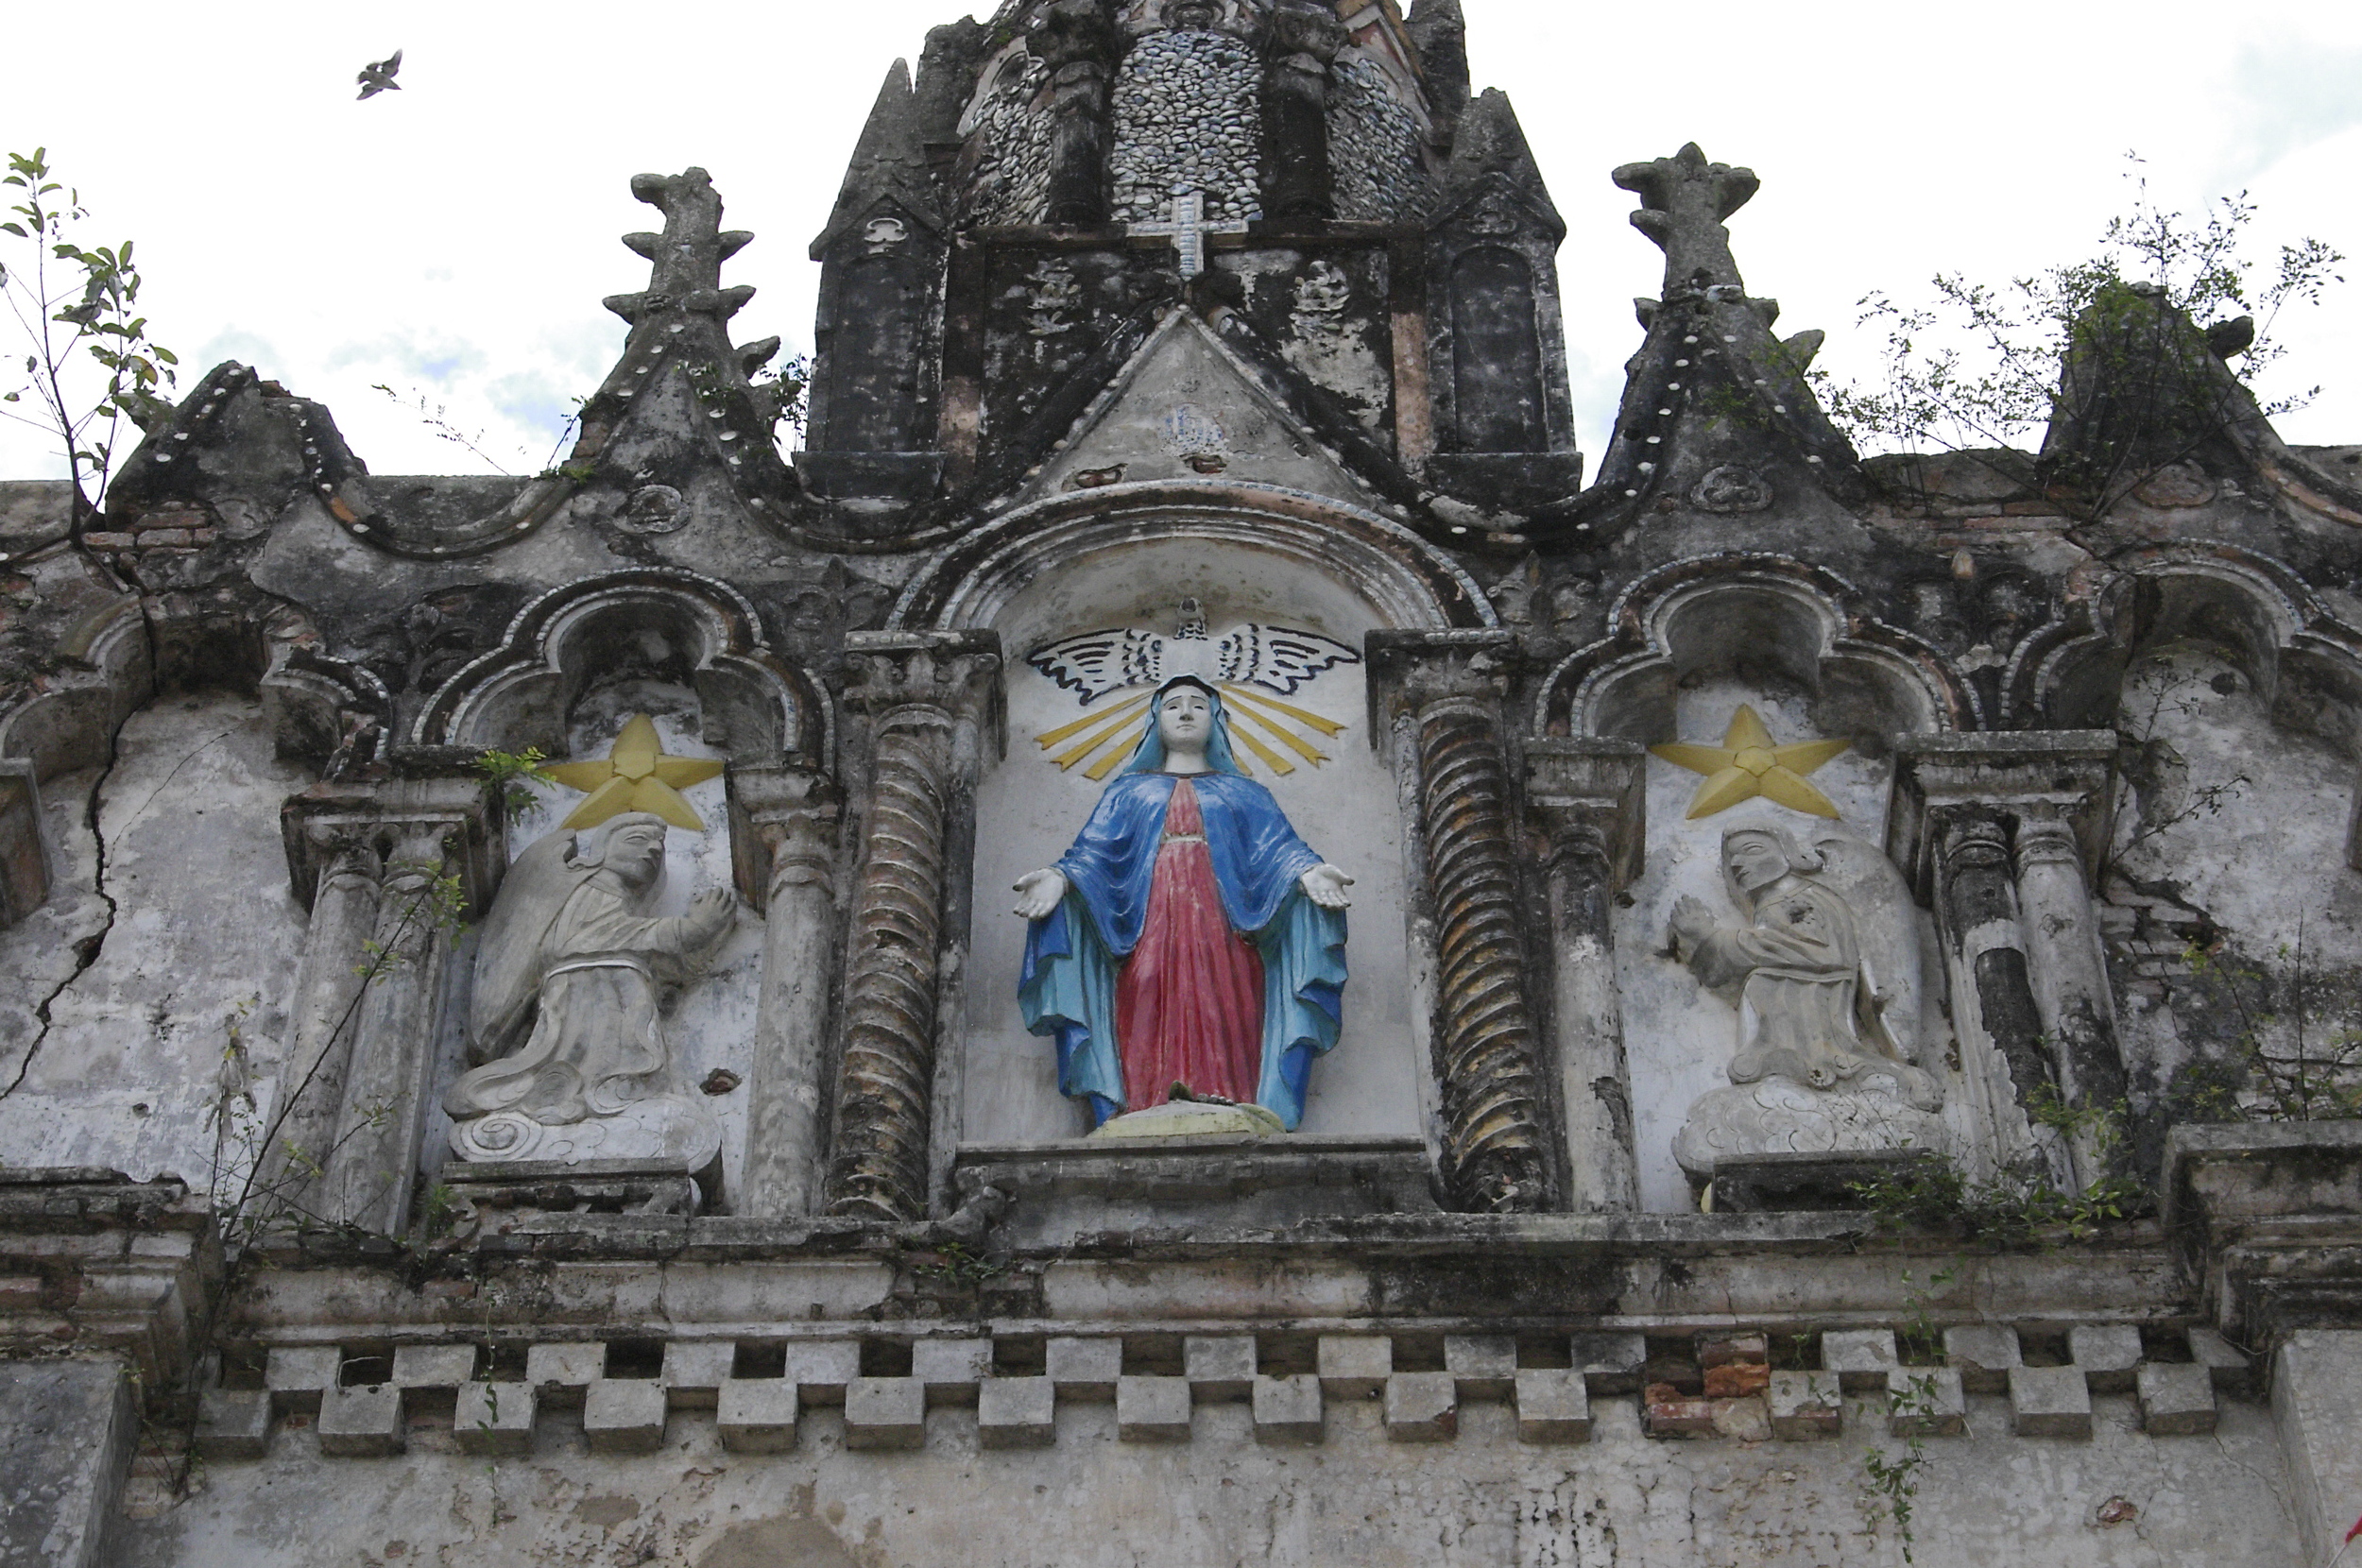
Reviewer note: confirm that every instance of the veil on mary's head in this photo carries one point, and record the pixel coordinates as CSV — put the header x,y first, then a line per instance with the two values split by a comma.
x,y
1149,756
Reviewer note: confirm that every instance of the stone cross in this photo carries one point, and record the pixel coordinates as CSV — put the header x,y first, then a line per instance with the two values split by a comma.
x,y
1188,229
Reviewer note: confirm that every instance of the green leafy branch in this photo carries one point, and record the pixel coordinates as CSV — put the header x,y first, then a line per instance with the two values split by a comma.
x,y
1983,366
77,305
509,772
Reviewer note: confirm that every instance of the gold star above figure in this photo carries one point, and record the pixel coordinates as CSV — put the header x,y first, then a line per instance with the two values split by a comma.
x,y
1747,764
636,776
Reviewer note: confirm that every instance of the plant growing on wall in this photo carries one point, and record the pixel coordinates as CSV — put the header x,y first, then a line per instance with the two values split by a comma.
x,y
1983,365
89,367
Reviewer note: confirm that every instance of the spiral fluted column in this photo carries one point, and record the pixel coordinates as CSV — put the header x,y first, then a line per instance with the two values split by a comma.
x,y
924,697
1494,1140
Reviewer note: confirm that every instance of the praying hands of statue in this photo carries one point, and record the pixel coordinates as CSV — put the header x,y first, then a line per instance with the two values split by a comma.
x,y
1692,922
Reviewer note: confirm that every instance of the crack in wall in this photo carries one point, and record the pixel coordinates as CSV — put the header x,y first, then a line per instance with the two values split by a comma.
x,y
87,949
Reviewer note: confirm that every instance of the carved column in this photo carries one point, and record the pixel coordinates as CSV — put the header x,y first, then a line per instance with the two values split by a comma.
x,y
783,837
1985,947
925,698
1586,800
1305,37
1958,801
2070,977
434,823
1446,688
336,868
1078,42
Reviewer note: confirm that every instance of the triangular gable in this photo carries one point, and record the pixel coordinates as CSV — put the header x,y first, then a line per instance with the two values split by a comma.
x,y
1185,406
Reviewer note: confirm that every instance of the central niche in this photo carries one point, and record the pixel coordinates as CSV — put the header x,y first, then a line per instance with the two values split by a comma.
x,y
1277,643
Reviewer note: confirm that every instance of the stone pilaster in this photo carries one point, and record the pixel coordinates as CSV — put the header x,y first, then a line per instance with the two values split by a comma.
x,y
1304,39
1992,979
784,836
924,700
1444,691
436,835
1077,42
1995,830
345,866
1584,805
2070,977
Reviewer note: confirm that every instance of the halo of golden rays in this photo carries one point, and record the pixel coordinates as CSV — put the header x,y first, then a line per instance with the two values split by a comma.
x,y
1749,763
635,775
1278,735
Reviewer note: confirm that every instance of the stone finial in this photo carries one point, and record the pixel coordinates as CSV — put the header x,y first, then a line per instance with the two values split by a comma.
x,y
1717,415
1684,201
2144,389
687,258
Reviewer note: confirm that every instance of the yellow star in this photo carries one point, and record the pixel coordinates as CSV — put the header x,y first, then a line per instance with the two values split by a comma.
x,y
636,776
1747,764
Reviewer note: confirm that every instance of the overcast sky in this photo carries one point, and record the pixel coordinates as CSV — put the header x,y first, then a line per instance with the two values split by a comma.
x,y
453,240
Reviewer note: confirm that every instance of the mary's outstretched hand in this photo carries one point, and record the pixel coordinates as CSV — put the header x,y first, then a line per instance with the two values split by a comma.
x,y
1038,891
1325,886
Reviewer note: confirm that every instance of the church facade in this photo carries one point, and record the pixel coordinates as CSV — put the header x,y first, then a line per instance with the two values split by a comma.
x,y
1185,938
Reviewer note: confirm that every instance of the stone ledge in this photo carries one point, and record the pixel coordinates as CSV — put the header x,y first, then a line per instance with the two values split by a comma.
x,y
2268,1218
1075,1186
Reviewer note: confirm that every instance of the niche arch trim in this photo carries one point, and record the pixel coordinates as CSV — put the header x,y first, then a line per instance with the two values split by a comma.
x,y
1411,583
759,707
1712,612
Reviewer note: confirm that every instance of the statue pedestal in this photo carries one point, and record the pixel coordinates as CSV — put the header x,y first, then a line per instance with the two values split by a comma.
x,y
492,1191
1191,1119
1779,1116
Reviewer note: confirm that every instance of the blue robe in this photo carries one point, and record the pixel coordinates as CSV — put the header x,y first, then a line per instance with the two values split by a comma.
x,y
1068,988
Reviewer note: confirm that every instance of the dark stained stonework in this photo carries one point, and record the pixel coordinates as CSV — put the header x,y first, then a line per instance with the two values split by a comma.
x,y
255,697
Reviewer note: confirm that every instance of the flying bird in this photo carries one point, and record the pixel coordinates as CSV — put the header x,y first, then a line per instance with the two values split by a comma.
x,y
378,76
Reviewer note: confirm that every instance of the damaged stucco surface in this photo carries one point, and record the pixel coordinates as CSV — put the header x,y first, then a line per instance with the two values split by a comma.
x,y
1483,1499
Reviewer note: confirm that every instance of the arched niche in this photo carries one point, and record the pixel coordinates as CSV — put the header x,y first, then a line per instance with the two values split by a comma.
x,y
756,708
2304,663
1747,616
1406,581
1085,570
711,1025
1690,646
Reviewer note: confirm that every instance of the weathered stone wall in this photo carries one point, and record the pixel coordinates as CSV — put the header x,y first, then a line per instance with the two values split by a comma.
x,y
1374,144
1186,116
1008,139
1478,1500
165,971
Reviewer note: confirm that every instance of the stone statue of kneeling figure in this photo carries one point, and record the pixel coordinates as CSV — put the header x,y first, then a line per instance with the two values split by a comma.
x,y
566,1006
1827,997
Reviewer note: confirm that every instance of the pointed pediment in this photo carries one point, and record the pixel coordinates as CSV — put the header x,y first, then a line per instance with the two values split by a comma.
x,y
1188,406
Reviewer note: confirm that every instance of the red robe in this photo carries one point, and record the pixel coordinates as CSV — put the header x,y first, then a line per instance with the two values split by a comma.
x,y
1189,999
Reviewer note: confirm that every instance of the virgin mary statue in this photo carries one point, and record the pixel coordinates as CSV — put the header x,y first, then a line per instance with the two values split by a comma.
x,y
1190,938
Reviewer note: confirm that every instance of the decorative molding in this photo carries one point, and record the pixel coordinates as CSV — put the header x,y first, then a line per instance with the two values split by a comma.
x,y
758,705
1813,624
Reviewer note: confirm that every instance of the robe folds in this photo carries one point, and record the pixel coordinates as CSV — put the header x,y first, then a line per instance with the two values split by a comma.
x,y
1074,955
